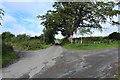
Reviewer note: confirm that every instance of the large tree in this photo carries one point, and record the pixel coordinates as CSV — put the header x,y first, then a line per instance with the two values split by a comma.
x,y
68,17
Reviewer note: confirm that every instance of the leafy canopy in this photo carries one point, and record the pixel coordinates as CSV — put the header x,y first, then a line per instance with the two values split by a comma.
x,y
68,17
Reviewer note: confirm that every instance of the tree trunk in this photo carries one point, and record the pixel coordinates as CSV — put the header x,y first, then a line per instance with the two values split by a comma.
x,y
81,40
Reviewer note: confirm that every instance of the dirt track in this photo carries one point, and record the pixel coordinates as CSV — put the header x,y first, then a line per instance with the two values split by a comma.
x,y
57,62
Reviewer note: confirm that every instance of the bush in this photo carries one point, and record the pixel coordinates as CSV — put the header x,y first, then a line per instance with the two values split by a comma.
x,y
20,38
8,54
32,44
65,41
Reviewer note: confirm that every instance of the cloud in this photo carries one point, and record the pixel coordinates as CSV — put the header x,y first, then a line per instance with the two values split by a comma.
x,y
15,29
59,36
11,25
8,19
18,29
30,20
32,33
20,20
40,27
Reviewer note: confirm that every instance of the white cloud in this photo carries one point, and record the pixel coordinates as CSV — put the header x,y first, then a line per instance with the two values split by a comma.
x,y
32,33
97,33
21,17
59,36
40,27
18,29
0,29
15,29
7,18
30,20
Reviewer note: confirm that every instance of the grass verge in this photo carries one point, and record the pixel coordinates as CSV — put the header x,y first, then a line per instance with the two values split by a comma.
x,y
119,72
90,46
117,64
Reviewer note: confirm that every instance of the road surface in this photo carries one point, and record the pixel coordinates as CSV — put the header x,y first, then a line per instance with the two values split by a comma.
x,y
57,62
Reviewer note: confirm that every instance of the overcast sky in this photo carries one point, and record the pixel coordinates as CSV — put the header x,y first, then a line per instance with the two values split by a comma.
x,y
20,18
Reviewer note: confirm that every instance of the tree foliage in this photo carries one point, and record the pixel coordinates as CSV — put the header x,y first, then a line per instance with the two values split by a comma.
x,y
7,36
1,14
68,17
23,37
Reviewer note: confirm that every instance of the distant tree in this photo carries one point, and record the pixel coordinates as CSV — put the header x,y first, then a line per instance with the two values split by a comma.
x,y
35,37
114,35
42,37
22,37
7,36
84,31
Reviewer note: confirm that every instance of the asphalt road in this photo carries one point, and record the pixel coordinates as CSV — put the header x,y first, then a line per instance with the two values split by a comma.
x,y
57,62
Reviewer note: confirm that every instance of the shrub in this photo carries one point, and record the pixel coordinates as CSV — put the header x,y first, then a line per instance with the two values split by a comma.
x,y
29,45
7,36
8,54
65,41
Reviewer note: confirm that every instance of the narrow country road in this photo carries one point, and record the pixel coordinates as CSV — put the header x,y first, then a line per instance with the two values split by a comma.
x,y
57,62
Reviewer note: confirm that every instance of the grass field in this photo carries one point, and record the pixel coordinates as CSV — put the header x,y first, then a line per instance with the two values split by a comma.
x,y
90,46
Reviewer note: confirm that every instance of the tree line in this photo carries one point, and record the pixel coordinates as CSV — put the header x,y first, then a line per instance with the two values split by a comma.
x,y
23,41
9,37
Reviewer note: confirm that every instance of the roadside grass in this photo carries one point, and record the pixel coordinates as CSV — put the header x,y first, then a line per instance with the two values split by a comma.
x,y
90,46
30,45
43,47
119,72
8,54
117,64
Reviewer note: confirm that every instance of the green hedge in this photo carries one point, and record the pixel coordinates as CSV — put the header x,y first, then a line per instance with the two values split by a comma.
x,y
30,45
